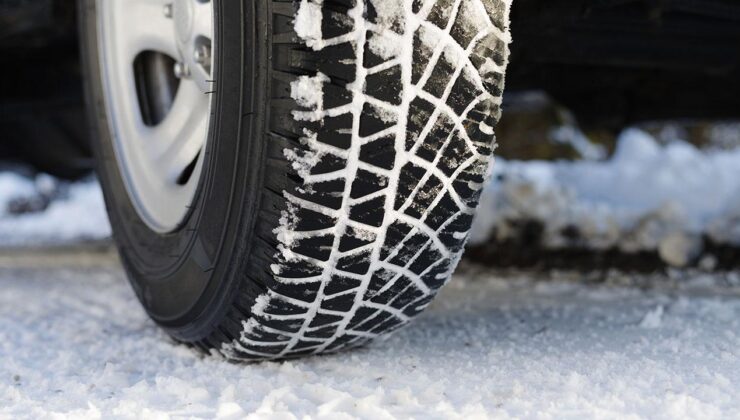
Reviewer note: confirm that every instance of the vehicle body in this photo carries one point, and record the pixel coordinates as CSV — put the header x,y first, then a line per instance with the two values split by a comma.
x,y
613,63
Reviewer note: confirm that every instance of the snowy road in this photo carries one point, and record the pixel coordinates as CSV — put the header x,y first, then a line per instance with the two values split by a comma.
x,y
73,342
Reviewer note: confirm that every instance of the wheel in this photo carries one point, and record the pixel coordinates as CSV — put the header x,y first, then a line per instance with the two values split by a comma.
x,y
289,178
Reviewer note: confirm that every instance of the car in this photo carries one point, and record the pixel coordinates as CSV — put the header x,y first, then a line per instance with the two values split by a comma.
x,y
287,178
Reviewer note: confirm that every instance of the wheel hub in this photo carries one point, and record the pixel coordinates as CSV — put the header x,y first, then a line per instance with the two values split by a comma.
x,y
160,159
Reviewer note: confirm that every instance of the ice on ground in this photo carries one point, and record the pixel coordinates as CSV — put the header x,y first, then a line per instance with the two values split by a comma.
x,y
44,210
644,194
76,344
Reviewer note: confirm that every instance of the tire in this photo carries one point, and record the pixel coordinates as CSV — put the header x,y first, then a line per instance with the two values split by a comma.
x,y
329,211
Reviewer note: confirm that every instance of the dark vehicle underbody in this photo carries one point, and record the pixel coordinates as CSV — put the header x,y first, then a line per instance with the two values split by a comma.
x,y
612,62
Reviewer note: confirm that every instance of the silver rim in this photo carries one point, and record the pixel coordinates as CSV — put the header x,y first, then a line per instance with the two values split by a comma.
x,y
156,57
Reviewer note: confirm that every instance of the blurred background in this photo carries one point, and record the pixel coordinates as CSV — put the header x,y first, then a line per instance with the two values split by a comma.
x,y
619,145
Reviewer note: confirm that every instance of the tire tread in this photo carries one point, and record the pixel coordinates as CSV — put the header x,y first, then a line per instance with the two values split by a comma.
x,y
357,271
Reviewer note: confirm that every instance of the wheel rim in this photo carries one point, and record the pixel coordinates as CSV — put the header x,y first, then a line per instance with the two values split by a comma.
x,y
156,58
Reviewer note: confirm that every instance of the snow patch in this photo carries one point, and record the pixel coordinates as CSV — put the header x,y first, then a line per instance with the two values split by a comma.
x,y
307,23
308,91
573,136
51,211
485,128
653,319
642,197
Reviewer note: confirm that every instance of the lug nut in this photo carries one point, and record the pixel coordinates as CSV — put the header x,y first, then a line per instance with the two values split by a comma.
x,y
202,55
168,10
182,70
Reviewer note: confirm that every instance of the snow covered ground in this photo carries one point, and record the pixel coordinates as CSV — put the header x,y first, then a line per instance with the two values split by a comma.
x,y
43,210
74,343
647,196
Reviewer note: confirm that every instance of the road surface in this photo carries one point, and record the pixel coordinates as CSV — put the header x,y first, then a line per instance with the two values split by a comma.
x,y
74,343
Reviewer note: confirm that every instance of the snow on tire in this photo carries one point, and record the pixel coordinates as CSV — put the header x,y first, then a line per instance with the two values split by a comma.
x,y
394,104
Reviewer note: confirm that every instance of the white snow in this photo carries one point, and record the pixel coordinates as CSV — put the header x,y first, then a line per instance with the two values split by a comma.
x,y
308,22
308,91
573,136
76,211
75,344
653,319
13,186
643,194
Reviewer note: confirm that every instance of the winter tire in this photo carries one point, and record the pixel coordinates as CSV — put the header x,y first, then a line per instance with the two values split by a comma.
x,y
331,189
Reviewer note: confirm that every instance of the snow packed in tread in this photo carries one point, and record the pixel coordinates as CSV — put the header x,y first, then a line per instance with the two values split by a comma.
x,y
396,115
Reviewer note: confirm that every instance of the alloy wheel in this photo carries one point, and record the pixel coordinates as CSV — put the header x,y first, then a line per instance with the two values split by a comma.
x,y
157,65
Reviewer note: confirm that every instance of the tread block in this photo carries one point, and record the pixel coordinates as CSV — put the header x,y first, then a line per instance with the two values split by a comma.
x,y
281,307
367,183
304,291
441,76
378,280
318,247
335,22
288,327
322,319
441,13
422,54
328,193
326,332
309,220
357,264
405,298
394,237
360,315
339,284
420,112
463,93
370,57
424,198
380,153
408,179
370,213
336,131
437,276
328,163
455,154
392,292
426,258
432,143
409,249
451,237
299,269
353,239
443,211
340,303
374,120
336,96
385,85
373,321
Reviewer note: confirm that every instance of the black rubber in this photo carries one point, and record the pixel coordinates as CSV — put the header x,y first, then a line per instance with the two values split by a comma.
x,y
318,227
